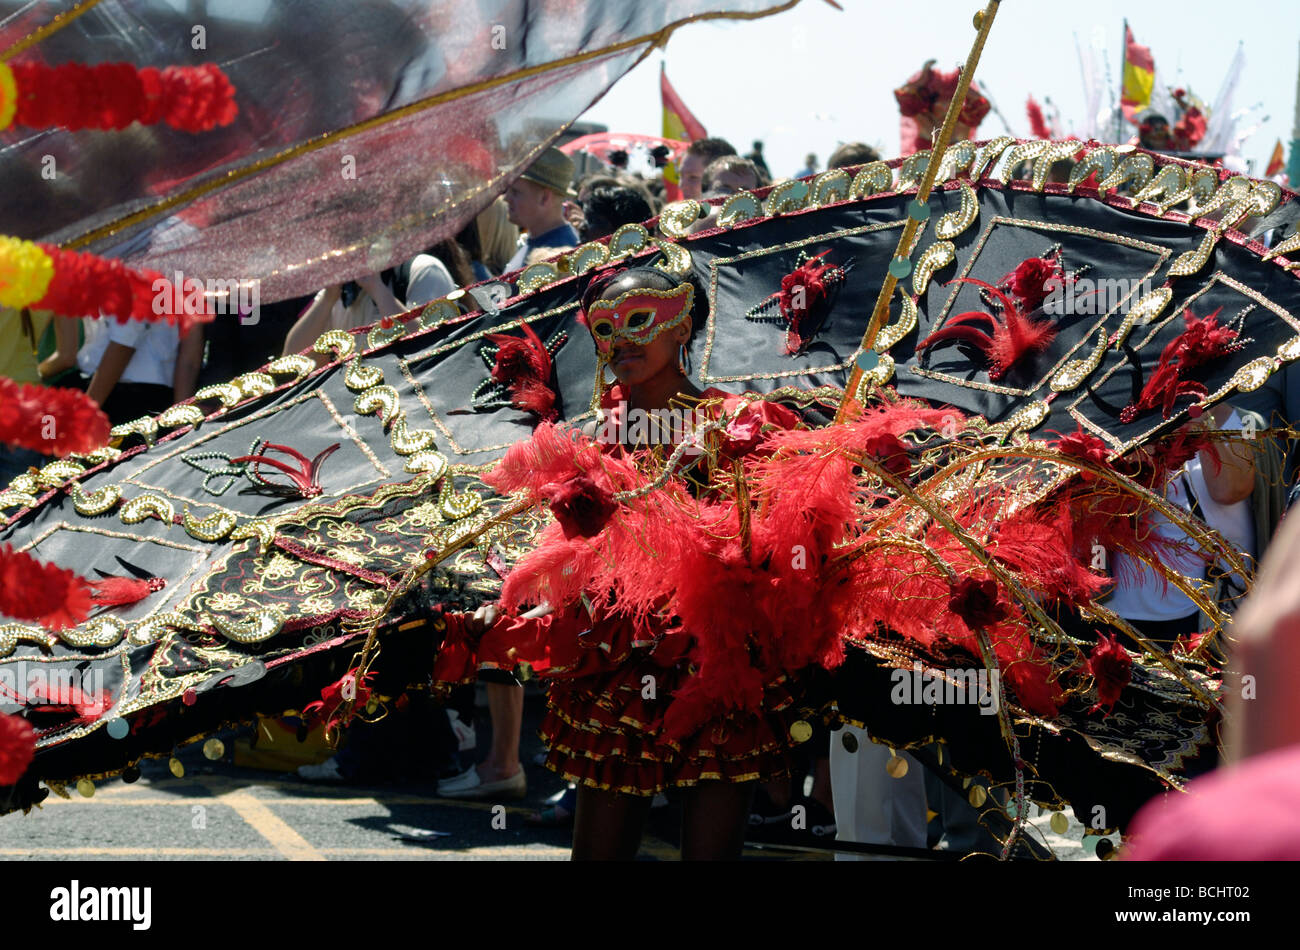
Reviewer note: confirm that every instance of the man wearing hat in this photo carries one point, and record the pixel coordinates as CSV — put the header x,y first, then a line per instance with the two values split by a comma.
x,y
536,204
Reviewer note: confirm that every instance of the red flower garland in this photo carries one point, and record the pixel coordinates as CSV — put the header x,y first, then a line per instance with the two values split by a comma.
x,y
17,747
86,285
74,96
50,421
44,593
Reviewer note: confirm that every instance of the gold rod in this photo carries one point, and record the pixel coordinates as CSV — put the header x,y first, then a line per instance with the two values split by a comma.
x,y
56,24
984,22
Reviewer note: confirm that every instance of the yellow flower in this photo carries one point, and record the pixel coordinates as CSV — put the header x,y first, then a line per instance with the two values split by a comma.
x,y
25,272
8,96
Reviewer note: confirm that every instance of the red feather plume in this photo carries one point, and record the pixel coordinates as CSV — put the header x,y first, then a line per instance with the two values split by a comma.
x,y
1009,337
524,366
1203,341
122,591
17,748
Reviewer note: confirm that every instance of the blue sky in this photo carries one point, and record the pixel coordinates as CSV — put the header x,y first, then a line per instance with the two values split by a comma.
x,y
812,77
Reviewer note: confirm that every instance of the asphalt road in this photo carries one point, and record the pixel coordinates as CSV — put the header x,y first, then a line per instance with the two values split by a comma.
x,y
217,811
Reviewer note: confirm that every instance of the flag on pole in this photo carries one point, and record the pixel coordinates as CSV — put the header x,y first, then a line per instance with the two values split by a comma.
x,y
1276,161
1139,76
680,124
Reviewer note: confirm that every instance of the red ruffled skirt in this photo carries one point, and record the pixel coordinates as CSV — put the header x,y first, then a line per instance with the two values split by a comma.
x,y
608,694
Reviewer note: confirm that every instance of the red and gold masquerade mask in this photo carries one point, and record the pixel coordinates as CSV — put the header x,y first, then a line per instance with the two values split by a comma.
x,y
637,316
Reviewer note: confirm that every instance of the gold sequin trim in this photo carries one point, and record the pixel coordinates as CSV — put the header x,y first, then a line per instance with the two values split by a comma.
x,y
936,257
1076,371
212,528
336,343
359,377
907,318
380,335
258,626
228,395
378,400
147,505
627,239
742,206
295,365
953,223
675,221
830,186
186,414
97,502
872,179
537,276
785,197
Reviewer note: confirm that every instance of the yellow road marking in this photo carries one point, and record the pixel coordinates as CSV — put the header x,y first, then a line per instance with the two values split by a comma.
x,y
270,825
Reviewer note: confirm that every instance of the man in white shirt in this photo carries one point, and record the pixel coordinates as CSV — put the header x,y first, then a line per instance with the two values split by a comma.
x,y
429,280
1218,494
131,366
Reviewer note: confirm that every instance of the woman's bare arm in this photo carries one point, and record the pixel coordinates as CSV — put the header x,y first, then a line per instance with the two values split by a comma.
x,y
312,322
110,370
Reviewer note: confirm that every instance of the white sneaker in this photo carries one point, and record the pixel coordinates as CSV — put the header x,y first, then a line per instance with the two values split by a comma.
x,y
469,784
327,771
466,738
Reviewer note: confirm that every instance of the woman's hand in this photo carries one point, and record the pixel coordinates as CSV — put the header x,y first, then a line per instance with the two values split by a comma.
x,y
1229,471
481,620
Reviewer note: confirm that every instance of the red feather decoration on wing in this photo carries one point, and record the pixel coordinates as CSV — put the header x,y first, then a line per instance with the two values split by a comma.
x,y
1203,341
122,591
17,748
1008,337
524,366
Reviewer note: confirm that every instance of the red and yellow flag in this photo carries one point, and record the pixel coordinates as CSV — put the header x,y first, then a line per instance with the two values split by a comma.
x,y
1139,76
679,124
1276,161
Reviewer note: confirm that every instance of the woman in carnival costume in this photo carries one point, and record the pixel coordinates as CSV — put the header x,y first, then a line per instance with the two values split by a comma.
x,y
637,704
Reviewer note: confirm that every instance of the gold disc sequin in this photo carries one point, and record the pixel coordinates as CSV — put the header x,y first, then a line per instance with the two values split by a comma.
x,y
176,767
801,731
978,796
896,766
213,749
86,788
1060,824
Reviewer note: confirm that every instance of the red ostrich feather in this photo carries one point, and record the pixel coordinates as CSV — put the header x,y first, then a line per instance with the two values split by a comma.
x,y
524,366
1009,337
1203,341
